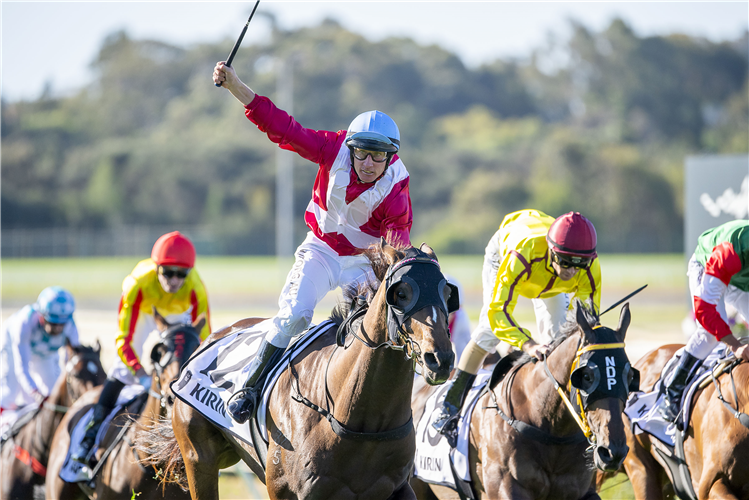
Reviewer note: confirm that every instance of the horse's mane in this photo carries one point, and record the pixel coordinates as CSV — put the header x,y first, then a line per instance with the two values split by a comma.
x,y
567,329
380,265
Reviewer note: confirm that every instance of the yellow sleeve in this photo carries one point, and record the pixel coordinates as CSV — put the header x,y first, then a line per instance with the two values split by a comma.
x,y
132,296
513,270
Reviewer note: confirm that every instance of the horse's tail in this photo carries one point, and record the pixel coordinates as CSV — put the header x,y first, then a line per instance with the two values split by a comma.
x,y
156,442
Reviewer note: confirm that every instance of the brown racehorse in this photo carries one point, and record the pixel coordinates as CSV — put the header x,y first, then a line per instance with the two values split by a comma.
x,y
552,459
23,459
121,475
716,446
368,383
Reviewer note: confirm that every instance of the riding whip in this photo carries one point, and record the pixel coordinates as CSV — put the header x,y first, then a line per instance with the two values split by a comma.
x,y
239,40
625,298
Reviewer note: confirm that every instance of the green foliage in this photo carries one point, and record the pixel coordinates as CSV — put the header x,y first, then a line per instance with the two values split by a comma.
x,y
603,132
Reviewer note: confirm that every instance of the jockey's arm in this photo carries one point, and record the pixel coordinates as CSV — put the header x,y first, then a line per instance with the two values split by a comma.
x,y
513,270
21,352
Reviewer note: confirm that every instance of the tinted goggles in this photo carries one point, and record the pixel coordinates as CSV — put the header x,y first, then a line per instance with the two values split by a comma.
x,y
567,261
174,272
377,156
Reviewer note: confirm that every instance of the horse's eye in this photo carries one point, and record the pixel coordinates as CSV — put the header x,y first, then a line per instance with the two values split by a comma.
x,y
587,377
402,295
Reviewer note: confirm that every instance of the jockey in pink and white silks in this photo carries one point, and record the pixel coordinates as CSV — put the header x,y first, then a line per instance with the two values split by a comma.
x,y
361,193
31,341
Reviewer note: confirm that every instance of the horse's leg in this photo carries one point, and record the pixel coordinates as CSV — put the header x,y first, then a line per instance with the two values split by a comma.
x,y
199,443
643,470
422,490
405,492
721,491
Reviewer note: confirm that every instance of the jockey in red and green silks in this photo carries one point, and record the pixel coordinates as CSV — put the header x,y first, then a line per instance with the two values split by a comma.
x,y
718,274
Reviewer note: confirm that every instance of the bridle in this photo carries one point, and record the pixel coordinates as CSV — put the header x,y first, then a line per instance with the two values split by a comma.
x,y
426,287
177,340
582,397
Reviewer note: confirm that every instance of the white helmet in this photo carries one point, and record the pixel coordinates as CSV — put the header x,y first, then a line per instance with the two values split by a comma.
x,y
375,131
55,304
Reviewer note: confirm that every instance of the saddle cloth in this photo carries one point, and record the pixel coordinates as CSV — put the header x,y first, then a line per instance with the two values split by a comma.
x,y
433,452
72,471
210,377
8,418
642,408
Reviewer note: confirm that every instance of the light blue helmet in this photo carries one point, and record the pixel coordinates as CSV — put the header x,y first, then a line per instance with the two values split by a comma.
x,y
55,304
375,131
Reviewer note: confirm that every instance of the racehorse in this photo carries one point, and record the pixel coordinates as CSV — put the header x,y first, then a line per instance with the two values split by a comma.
x,y
716,445
120,475
366,380
528,431
23,459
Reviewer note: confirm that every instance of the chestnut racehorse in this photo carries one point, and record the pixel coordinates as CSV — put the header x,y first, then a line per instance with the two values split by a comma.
x,y
716,445
121,476
526,441
366,383
23,459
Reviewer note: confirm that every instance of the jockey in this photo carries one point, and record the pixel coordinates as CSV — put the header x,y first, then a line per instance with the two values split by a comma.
x,y
166,281
538,257
33,336
361,193
718,274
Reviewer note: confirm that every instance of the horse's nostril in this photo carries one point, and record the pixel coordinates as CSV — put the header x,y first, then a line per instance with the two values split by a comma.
x,y
431,360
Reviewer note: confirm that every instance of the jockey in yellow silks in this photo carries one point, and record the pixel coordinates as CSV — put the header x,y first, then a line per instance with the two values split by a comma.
x,y
538,257
167,281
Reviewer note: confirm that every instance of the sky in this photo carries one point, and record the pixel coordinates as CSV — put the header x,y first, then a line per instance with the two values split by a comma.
x,y
54,42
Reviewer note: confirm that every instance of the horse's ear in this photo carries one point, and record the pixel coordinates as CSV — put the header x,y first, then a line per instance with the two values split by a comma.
x,y
624,319
97,346
160,320
199,322
428,250
582,320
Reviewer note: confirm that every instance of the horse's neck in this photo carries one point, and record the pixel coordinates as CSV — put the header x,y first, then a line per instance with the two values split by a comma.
x,y
369,383
46,422
543,398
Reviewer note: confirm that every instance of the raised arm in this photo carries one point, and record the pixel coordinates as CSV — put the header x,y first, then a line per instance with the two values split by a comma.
x,y
227,77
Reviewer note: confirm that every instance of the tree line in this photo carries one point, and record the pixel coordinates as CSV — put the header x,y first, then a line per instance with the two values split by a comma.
x,y
599,123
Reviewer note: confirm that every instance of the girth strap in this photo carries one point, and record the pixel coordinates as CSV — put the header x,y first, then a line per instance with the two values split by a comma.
x,y
342,432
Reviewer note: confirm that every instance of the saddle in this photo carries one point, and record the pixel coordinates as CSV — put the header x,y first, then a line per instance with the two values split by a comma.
x,y
128,403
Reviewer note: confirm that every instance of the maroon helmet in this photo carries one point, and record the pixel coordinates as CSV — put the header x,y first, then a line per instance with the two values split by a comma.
x,y
574,235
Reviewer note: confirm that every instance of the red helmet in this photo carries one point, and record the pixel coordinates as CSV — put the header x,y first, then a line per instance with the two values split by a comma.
x,y
173,249
573,234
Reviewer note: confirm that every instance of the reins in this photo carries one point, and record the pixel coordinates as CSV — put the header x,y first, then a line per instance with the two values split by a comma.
x,y
404,343
581,418
741,416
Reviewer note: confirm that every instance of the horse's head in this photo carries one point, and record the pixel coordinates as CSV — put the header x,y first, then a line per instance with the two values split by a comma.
x,y
176,344
418,299
600,381
83,371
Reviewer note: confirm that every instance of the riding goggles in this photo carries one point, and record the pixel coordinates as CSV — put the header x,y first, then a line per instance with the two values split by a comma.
x,y
174,272
567,261
377,156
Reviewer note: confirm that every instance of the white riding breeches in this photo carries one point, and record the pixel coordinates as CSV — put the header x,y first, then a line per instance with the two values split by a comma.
x,y
317,270
702,342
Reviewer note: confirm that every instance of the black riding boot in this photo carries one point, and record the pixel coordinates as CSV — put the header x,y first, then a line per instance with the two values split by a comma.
x,y
107,400
243,404
447,420
675,390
